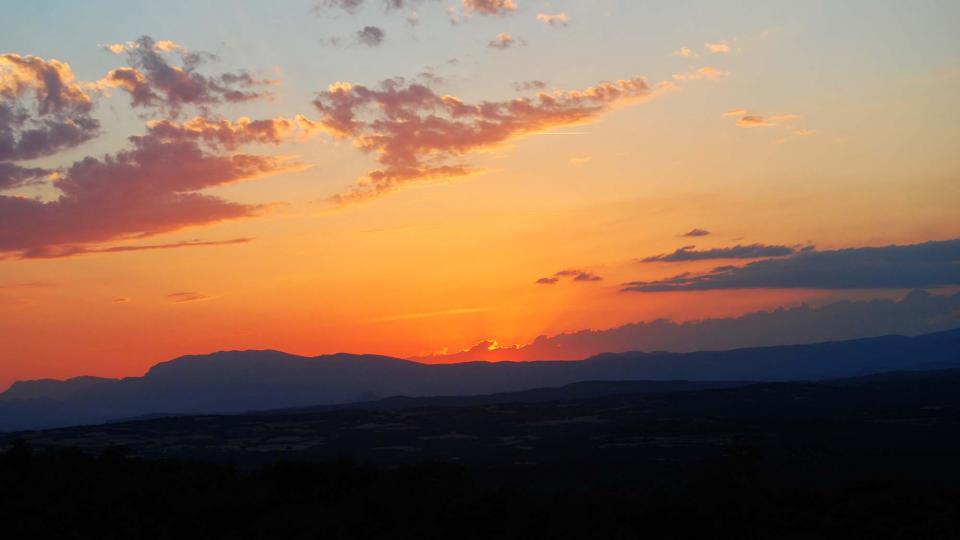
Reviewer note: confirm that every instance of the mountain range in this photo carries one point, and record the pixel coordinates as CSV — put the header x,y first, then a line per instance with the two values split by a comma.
x,y
242,381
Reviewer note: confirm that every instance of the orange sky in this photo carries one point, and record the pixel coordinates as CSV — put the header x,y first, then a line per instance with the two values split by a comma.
x,y
416,215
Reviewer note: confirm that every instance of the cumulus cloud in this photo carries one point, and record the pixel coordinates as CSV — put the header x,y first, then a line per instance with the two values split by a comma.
x,y
417,133
153,80
683,52
224,134
580,160
555,19
574,275
370,36
43,109
503,41
917,313
930,264
752,251
693,233
721,47
489,7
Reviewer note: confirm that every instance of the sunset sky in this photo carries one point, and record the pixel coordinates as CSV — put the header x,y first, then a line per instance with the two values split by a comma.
x,y
411,177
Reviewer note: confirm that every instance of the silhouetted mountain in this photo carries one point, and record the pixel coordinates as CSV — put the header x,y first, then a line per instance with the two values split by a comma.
x,y
237,381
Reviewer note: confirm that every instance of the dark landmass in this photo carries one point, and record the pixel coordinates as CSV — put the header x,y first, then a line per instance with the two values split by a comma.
x,y
239,381
866,457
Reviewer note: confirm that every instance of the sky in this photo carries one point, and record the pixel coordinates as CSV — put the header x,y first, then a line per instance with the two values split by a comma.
x,y
415,178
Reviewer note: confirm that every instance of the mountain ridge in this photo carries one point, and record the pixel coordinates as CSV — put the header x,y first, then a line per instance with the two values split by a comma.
x,y
238,381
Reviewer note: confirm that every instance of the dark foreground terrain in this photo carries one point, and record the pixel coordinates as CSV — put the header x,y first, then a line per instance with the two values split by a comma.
x,y
872,457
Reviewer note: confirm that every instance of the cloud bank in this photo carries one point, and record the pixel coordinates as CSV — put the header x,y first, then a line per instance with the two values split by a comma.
x,y
917,313
930,264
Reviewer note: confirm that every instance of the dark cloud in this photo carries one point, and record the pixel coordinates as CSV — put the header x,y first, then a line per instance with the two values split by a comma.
x,y
693,233
930,264
13,176
43,110
153,80
370,36
574,275
353,6
151,188
415,131
917,313
752,251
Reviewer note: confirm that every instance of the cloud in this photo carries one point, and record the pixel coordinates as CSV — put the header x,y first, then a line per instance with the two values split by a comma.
x,y
69,251
735,112
43,109
504,41
707,72
119,300
184,297
25,285
720,47
224,134
153,187
574,275
580,160
14,176
753,251
556,19
804,132
350,6
434,314
930,264
489,7
753,120
153,81
370,36
692,233
917,313
353,6
526,86
683,52
416,133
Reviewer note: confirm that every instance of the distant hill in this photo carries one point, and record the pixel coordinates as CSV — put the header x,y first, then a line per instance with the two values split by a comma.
x,y
237,381
600,426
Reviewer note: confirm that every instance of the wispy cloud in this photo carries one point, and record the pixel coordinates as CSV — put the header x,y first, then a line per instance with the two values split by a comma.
x,y
752,251
433,314
720,47
185,297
